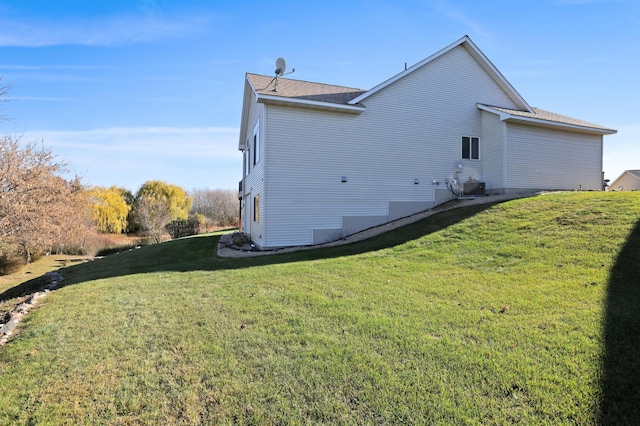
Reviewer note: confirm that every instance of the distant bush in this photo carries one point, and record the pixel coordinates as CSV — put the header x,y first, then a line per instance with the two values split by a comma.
x,y
183,227
10,263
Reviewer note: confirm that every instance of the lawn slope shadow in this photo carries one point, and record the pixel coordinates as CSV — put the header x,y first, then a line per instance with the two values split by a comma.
x,y
199,254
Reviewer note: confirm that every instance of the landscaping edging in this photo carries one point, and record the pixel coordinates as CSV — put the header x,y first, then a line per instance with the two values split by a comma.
x,y
14,317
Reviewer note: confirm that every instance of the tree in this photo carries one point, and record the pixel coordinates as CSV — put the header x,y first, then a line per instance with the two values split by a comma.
x,y
109,208
218,205
38,208
158,203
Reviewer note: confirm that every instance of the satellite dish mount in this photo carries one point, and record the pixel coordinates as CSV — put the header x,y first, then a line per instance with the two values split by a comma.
x,y
281,68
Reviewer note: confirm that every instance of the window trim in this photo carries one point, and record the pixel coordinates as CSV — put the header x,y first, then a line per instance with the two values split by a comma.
x,y
256,208
256,143
470,148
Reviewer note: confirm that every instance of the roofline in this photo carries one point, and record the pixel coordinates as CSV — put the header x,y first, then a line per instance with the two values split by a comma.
x,y
504,116
477,54
242,144
330,106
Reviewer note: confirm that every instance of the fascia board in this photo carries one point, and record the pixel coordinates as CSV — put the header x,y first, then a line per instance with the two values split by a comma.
x,y
305,103
497,76
504,116
477,55
246,100
406,72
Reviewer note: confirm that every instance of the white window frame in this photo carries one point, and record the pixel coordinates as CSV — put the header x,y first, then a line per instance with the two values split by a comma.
x,y
471,139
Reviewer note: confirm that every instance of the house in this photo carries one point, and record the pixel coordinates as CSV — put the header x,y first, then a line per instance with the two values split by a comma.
x,y
323,161
629,180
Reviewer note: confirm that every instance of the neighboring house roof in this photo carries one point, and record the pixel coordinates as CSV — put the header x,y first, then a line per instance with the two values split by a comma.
x,y
633,174
543,117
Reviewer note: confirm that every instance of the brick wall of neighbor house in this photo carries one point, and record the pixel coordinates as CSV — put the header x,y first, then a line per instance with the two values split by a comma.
x,y
410,130
541,158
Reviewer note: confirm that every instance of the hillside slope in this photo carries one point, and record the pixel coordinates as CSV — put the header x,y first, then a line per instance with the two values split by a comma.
x,y
519,312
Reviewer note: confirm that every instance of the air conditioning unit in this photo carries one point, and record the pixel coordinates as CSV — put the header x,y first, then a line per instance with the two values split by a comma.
x,y
473,188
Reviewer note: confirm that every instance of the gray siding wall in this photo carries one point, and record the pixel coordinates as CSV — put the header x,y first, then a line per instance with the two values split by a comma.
x,y
410,130
541,158
493,152
254,180
627,181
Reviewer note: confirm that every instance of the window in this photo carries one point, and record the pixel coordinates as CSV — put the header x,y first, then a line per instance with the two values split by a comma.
x,y
470,148
256,144
256,208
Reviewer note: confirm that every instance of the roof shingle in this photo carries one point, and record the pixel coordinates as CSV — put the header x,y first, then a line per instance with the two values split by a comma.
x,y
298,89
540,114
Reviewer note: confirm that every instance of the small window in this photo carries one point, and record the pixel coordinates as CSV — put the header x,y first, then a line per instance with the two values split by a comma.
x,y
256,208
470,148
256,144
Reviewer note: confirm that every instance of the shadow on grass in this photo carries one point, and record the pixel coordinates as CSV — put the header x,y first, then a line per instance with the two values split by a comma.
x,y
621,364
199,254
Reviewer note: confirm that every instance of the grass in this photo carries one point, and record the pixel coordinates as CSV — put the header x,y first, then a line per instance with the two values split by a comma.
x,y
522,312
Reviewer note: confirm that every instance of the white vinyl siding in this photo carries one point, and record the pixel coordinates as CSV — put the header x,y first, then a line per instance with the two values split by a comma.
x,y
493,151
409,130
541,158
254,181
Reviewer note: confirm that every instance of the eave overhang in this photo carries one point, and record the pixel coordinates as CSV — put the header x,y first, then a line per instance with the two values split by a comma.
x,y
505,116
310,104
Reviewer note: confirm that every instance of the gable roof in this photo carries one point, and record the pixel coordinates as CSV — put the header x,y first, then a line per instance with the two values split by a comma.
x,y
304,93
298,89
634,173
542,117
476,53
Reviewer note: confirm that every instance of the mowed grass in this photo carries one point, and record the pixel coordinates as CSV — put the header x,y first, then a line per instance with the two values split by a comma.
x,y
521,312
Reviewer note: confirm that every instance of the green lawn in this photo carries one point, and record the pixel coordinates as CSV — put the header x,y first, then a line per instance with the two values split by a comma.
x,y
522,312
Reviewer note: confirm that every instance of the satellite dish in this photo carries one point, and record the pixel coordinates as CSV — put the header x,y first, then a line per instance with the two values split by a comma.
x,y
281,66
460,165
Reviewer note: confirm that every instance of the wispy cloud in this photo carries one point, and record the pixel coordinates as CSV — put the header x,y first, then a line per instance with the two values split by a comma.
x,y
472,25
128,156
38,32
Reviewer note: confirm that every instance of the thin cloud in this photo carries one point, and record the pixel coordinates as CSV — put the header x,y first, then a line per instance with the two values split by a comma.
x,y
128,156
121,30
471,24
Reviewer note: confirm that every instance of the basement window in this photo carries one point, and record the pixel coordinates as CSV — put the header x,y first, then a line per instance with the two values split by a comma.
x,y
470,148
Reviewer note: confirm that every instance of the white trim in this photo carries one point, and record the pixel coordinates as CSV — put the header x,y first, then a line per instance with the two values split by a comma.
x,y
504,116
279,100
477,54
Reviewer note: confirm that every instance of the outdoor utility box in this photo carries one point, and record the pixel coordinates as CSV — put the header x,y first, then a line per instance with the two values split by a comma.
x,y
473,188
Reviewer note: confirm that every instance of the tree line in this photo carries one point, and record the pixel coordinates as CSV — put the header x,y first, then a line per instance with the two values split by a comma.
x,y
41,212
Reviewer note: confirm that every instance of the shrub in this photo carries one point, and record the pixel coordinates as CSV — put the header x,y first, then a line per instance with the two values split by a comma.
x,y
10,262
183,227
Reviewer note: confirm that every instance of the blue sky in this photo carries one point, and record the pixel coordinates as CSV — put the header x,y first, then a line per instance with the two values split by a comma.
x,y
137,90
